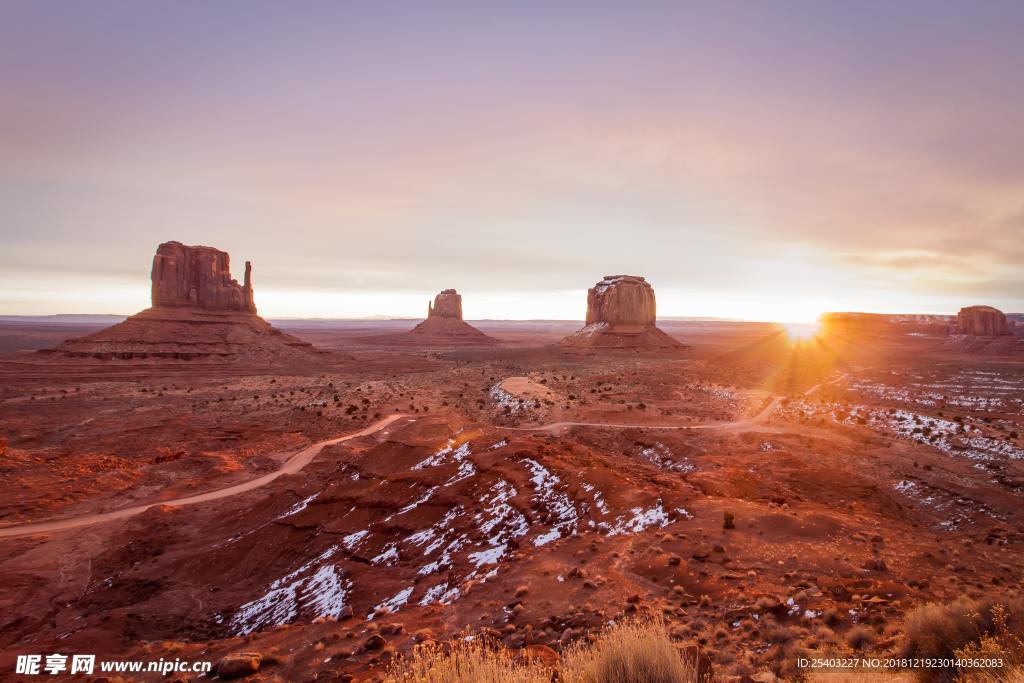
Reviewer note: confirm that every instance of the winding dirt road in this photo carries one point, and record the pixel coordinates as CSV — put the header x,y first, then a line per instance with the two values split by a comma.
x,y
294,464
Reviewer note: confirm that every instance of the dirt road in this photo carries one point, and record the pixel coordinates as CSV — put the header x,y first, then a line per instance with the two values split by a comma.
x,y
294,464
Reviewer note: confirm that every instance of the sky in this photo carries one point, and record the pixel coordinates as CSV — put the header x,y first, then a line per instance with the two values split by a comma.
x,y
754,160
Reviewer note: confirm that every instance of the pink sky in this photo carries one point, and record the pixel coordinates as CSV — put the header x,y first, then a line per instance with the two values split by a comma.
x,y
753,160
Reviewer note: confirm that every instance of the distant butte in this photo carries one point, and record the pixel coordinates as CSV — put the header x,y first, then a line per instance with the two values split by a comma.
x,y
621,314
444,325
198,312
983,321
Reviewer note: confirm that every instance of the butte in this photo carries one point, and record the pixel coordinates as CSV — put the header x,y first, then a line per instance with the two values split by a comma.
x,y
198,312
444,326
983,321
621,314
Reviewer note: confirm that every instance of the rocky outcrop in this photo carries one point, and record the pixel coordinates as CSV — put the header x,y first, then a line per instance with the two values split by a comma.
x,y
447,304
982,321
198,277
621,313
199,312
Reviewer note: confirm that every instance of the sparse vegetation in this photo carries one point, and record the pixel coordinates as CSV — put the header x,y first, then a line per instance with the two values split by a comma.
x,y
980,625
630,652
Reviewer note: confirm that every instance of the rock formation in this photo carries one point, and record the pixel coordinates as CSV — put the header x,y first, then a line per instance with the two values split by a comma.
x,y
198,277
621,300
447,304
198,312
621,313
982,321
444,326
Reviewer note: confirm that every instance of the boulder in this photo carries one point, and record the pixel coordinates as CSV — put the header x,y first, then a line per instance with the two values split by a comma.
x,y
983,321
239,664
198,277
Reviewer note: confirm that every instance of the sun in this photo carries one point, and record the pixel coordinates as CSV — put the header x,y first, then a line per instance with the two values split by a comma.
x,y
802,331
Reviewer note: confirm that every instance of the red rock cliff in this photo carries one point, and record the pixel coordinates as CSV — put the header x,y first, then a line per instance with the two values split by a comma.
x,y
621,300
982,321
199,277
447,304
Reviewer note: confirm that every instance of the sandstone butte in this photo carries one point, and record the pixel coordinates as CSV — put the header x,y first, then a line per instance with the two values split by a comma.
x,y
982,321
444,324
199,311
621,314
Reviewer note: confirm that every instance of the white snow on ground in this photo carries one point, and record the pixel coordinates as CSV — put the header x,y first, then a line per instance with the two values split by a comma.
x,y
489,556
503,399
499,444
499,514
434,593
662,456
639,520
352,540
439,458
440,527
445,558
387,557
322,592
466,470
393,603
413,505
557,502
298,507
954,438
598,498
957,510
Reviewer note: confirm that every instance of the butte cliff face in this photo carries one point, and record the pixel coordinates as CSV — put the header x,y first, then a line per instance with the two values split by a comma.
x,y
447,304
198,277
199,312
982,321
621,313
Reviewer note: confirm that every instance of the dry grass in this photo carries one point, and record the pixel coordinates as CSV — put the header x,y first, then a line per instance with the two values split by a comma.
x,y
936,630
986,627
465,662
631,652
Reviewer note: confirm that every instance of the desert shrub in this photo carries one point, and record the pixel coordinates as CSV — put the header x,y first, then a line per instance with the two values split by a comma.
x,y
1003,644
465,662
940,631
630,652
937,630
860,637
